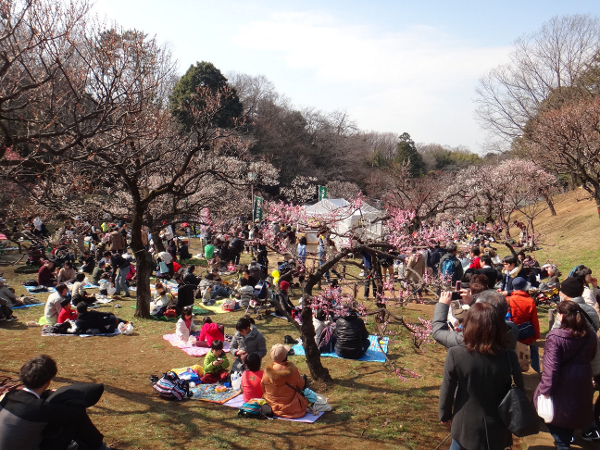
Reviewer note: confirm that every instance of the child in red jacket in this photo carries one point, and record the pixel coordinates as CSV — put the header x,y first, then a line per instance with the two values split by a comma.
x,y
66,313
210,332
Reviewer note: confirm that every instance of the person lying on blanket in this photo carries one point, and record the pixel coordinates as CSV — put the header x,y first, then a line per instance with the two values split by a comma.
x,y
215,364
95,322
210,332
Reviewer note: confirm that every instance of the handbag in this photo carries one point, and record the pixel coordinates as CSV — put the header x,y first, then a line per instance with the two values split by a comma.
x,y
516,411
526,330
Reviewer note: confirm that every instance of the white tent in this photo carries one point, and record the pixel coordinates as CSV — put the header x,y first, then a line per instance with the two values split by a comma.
x,y
366,220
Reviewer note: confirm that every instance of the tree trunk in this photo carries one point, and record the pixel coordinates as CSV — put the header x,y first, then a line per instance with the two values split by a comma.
x,y
144,266
313,356
598,203
550,204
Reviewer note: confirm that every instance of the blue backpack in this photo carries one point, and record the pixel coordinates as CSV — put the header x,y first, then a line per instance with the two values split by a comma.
x,y
447,268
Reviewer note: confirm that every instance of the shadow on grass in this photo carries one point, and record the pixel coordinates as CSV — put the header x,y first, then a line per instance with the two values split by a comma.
x,y
214,417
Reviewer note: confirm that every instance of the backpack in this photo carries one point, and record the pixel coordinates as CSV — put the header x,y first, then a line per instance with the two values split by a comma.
x,y
171,387
447,268
229,305
254,410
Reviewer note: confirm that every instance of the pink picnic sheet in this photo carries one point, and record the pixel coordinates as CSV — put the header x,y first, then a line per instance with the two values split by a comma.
x,y
238,401
189,349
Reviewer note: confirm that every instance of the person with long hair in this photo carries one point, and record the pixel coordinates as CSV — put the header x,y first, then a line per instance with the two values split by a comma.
x,y
477,376
567,375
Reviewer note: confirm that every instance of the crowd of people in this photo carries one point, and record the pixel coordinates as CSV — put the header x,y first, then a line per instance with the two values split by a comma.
x,y
486,316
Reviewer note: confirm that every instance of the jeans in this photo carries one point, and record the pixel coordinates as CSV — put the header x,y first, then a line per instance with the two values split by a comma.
x,y
562,436
220,292
121,281
456,446
535,357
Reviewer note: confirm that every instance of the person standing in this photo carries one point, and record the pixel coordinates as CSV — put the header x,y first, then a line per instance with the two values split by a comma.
x,y
477,376
116,241
522,310
567,375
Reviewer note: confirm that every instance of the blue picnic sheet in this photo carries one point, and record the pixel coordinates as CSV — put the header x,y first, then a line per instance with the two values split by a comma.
x,y
49,291
373,353
27,306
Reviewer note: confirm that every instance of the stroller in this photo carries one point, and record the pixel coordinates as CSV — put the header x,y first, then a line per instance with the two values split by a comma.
x,y
261,299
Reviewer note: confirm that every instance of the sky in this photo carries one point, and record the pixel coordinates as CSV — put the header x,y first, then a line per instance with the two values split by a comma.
x,y
393,66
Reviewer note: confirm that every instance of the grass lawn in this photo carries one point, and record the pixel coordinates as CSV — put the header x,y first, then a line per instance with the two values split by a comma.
x,y
372,407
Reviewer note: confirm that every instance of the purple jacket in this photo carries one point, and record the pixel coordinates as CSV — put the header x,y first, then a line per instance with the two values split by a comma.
x,y
567,378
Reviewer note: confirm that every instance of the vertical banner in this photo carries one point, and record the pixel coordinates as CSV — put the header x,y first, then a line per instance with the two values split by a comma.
x,y
322,192
257,213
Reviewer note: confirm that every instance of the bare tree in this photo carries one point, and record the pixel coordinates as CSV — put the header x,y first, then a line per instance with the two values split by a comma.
x,y
551,58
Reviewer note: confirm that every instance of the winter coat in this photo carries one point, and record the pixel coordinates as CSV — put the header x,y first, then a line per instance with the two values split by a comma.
x,y
351,333
211,332
210,358
523,309
253,342
508,277
442,334
474,385
53,308
284,400
492,275
116,241
183,332
567,378
417,264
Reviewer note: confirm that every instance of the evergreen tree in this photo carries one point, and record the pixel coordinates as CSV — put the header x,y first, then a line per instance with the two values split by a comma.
x,y
407,153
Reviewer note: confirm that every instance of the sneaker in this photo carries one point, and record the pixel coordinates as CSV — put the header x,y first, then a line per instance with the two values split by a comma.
x,y
591,436
11,319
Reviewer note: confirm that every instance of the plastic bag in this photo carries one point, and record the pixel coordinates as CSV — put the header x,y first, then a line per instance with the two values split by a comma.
x,y
236,380
321,404
545,408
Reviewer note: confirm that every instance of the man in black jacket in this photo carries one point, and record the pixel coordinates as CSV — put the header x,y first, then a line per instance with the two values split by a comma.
x,y
486,269
34,417
190,278
351,337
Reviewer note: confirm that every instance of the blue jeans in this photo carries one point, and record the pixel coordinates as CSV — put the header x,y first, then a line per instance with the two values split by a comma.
x,y
456,446
562,436
121,281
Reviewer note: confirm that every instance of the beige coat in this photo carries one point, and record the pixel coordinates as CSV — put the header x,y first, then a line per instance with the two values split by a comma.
x,y
284,400
416,263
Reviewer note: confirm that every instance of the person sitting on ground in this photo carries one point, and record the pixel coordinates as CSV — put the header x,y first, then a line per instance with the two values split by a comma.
x,y
245,292
98,272
186,327
88,263
190,278
66,313
283,297
184,251
36,418
53,307
104,283
210,332
450,338
255,270
66,274
246,340
46,274
215,364
351,336
77,287
252,377
282,385
7,295
162,299
95,322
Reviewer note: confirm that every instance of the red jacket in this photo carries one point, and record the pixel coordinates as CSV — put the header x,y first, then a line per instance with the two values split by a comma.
x,y
210,332
522,309
66,313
